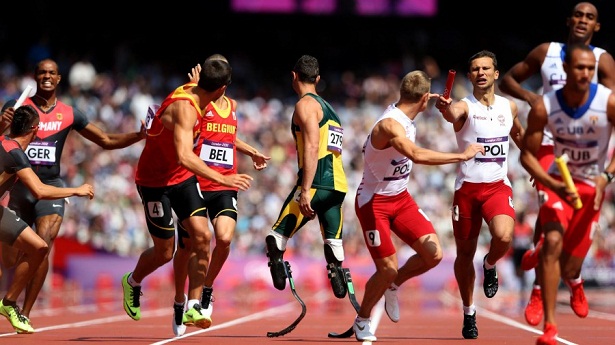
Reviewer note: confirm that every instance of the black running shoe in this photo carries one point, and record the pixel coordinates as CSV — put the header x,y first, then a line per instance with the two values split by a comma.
x,y
336,277
490,280
469,330
276,263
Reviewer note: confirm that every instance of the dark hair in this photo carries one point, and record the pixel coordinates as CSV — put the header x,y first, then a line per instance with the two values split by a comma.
x,y
482,54
573,47
23,120
214,74
307,69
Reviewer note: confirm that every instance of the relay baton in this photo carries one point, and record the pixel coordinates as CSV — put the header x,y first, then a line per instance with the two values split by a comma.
x,y
449,85
23,96
563,169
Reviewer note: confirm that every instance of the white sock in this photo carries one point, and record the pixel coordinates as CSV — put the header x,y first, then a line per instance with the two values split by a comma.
x,y
487,265
132,282
469,310
192,302
393,286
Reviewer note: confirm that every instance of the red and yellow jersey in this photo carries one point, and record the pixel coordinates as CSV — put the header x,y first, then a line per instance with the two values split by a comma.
x,y
158,165
216,145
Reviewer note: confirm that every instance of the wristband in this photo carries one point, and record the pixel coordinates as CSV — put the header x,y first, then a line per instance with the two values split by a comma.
x,y
609,177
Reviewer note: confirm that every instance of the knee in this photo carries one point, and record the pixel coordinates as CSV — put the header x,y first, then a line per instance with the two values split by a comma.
x,y
433,261
388,273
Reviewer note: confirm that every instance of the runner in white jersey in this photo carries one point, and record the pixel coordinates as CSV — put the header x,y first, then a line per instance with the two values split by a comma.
x,y
482,188
581,117
384,205
547,59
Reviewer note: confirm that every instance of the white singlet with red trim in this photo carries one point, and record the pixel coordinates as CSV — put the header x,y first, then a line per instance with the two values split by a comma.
x,y
386,171
489,126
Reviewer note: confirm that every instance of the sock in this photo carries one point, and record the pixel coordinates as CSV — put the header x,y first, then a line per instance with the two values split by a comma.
x,y
362,318
487,265
132,282
536,287
393,286
575,281
179,303
192,302
471,310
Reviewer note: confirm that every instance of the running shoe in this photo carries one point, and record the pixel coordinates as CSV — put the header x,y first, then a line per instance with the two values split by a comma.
x,y
578,302
178,318
336,277
362,330
19,322
469,330
533,310
276,263
132,295
490,280
26,321
391,304
548,336
194,317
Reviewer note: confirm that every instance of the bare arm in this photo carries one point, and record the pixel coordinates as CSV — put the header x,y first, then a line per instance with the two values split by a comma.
x,y
259,160
109,141
601,182
5,119
510,83
517,131
41,190
455,113
606,70
532,140
389,132
307,115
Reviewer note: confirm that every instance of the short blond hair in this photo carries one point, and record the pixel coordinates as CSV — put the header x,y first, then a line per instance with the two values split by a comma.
x,y
414,86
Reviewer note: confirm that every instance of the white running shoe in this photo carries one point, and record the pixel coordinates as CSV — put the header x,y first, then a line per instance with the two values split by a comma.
x,y
391,304
362,330
178,318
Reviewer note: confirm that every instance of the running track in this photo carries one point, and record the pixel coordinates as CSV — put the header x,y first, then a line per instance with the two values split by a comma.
x,y
427,318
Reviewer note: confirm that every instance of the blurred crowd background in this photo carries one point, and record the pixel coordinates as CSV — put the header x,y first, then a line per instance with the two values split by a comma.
x,y
115,63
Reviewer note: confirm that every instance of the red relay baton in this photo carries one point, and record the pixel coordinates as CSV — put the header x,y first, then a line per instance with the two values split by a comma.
x,y
449,84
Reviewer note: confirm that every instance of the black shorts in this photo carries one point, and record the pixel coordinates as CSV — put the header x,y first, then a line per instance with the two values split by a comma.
x,y
11,225
159,203
219,203
29,208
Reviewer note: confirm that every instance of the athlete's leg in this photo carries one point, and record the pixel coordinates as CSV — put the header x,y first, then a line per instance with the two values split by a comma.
x,y
224,229
47,227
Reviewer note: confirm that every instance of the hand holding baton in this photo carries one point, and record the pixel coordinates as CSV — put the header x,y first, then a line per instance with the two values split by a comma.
x,y
562,166
449,85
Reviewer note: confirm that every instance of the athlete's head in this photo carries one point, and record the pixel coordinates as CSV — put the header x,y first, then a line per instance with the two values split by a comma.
x,y
25,120
307,69
214,75
582,23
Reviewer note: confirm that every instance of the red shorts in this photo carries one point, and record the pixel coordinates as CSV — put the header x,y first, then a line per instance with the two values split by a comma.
x,y
385,214
474,202
579,225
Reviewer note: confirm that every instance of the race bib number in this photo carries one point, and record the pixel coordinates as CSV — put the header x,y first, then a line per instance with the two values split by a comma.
x,y
335,139
496,149
151,113
373,238
155,209
217,154
41,153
